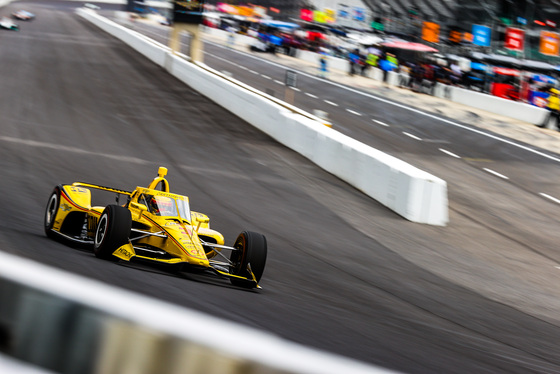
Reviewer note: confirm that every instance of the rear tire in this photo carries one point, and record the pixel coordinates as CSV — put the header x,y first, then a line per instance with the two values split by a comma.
x,y
50,212
113,230
252,253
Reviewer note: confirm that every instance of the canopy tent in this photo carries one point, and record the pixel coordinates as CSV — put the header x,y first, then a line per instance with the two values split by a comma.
x,y
365,39
478,66
410,46
506,71
536,65
279,24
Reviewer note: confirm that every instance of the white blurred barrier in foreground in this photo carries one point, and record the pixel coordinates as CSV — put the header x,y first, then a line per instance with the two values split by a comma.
x,y
72,325
10,366
410,192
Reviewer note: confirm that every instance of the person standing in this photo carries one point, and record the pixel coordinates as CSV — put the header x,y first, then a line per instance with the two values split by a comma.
x,y
231,37
387,64
354,61
372,59
323,69
404,75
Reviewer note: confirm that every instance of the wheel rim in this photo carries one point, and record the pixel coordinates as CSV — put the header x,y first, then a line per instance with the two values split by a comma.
x,y
51,210
101,230
239,255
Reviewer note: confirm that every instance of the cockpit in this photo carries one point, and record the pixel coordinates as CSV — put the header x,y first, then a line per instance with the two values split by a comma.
x,y
167,206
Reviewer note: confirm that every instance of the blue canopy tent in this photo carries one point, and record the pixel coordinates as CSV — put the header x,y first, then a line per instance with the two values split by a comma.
x,y
280,24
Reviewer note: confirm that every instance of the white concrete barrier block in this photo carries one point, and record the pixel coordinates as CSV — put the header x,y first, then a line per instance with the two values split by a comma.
x,y
5,2
439,90
508,108
376,74
393,78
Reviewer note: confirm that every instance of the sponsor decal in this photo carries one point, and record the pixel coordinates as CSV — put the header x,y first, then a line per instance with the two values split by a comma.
x,y
161,193
65,207
182,243
123,253
540,102
193,250
92,223
67,198
78,190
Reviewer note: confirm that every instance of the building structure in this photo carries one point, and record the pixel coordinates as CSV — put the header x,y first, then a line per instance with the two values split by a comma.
x,y
405,18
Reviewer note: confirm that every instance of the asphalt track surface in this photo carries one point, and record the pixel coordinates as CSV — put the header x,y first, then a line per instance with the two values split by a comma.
x,y
344,274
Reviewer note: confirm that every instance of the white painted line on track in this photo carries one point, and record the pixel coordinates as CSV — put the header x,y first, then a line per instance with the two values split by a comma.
x,y
381,123
63,148
399,105
254,72
557,267
449,153
311,95
353,112
330,103
277,81
550,197
295,89
412,136
495,173
265,76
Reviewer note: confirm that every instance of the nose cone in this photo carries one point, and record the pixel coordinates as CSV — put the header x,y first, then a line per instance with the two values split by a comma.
x,y
189,243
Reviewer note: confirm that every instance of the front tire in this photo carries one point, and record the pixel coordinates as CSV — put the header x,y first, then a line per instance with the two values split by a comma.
x,y
113,230
50,212
251,253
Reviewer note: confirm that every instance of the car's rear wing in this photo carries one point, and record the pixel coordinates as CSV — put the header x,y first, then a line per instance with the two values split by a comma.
x,y
110,189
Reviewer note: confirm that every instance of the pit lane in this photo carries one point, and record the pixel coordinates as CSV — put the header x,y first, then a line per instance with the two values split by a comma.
x,y
344,274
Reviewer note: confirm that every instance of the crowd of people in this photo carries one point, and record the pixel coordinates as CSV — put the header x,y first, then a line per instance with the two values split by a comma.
x,y
413,74
420,74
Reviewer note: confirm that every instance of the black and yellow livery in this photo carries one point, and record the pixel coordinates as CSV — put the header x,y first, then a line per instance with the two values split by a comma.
x,y
156,226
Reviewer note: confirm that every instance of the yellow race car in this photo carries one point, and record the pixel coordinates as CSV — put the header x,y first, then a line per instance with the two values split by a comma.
x,y
155,226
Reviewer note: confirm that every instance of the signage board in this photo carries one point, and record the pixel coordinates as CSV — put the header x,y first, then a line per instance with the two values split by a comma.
x,y
550,43
515,39
291,79
481,35
430,32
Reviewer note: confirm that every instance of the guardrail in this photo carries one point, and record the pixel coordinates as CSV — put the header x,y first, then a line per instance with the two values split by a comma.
x,y
410,192
68,324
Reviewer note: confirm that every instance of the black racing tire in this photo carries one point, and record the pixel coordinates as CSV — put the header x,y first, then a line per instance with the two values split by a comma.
x,y
252,250
50,212
113,230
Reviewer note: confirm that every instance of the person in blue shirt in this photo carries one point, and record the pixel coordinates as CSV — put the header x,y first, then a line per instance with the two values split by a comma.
x,y
354,60
323,70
